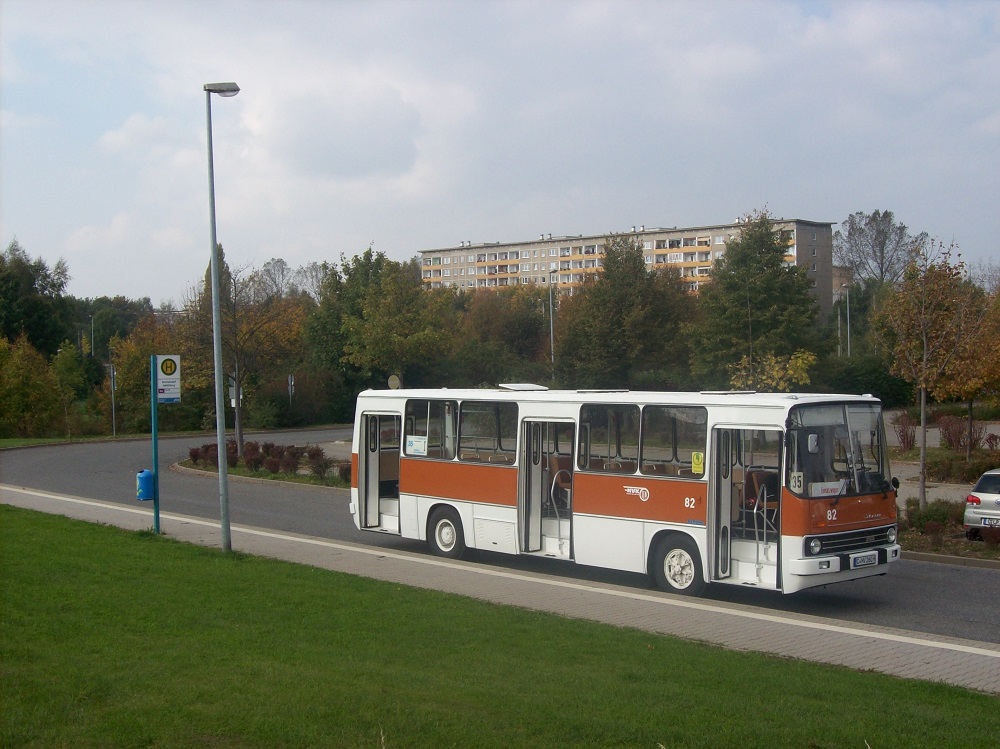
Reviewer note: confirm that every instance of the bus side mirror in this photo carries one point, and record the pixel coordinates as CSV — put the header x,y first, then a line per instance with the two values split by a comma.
x,y
813,444
895,483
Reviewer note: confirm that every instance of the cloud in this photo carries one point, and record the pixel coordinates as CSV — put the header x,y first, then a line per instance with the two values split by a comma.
x,y
139,134
351,135
420,124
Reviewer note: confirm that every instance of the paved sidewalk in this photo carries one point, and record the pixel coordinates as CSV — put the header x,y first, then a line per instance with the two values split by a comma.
x,y
908,475
970,664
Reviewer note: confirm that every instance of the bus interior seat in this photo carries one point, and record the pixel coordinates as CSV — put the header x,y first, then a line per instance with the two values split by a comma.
x,y
766,479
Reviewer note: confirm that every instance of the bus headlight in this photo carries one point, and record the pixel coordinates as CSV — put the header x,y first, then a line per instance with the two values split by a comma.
x,y
815,546
890,535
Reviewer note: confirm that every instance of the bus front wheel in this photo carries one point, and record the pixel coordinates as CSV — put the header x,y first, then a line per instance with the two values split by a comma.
x,y
677,565
444,533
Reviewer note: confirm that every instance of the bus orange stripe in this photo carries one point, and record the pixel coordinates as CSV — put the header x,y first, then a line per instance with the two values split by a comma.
x,y
666,500
472,482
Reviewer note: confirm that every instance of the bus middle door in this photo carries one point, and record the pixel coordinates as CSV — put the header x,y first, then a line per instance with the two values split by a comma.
x,y
725,443
532,494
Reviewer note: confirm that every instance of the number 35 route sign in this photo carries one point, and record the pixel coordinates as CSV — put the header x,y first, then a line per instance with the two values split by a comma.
x,y
168,378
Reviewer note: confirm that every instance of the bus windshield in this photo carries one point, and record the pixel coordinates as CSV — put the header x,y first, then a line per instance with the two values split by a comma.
x,y
837,450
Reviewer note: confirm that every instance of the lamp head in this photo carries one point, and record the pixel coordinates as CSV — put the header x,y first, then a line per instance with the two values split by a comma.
x,y
222,89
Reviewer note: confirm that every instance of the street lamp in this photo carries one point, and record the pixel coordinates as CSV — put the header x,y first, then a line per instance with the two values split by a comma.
x,y
846,286
552,334
222,89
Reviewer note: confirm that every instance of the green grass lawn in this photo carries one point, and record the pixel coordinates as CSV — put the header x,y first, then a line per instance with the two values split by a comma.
x,y
117,639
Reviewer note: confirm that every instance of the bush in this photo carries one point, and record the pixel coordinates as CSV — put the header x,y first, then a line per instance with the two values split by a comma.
x,y
319,464
272,464
955,433
935,530
262,414
938,515
905,427
344,472
955,469
291,457
253,458
195,455
210,454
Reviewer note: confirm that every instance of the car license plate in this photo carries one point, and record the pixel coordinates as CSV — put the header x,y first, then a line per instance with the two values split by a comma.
x,y
987,522
864,560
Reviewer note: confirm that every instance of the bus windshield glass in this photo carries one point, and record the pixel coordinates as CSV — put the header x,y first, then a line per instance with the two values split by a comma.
x,y
837,450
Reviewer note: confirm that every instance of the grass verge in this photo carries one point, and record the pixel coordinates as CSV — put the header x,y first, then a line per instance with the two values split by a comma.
x,y
111,638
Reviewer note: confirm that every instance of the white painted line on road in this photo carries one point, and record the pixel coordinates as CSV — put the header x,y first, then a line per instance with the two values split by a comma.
x,y
663,599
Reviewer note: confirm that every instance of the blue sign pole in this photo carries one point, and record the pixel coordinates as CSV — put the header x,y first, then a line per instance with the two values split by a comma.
x,y
153,409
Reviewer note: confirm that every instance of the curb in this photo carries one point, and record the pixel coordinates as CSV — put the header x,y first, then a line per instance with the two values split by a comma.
x,y
922,556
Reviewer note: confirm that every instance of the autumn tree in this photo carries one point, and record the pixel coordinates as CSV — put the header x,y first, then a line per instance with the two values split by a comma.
x,y
927,321
261,327
504,336
974,370
131,358
875,246
29,405
754,309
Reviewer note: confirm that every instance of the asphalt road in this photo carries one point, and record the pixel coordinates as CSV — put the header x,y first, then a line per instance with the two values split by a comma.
x,y
918,596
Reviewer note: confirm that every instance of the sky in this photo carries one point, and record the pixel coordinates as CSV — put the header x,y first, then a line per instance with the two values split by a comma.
x,y
407,126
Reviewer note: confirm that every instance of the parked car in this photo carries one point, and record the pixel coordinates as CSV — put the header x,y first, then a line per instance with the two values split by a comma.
x,y
982,506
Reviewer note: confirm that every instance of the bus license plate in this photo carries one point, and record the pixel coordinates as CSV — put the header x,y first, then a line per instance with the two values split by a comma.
x,y
987,522
864,560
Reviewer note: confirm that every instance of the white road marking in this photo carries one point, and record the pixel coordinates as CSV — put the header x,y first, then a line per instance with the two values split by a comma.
x,y
493,572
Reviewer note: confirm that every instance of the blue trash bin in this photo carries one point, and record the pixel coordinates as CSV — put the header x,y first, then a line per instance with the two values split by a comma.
x,y
144,485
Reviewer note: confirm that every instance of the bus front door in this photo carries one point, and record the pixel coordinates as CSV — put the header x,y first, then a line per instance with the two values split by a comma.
x,y
378,472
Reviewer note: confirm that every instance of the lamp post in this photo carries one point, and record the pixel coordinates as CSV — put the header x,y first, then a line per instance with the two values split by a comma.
x,y
222,89
847,286
552,334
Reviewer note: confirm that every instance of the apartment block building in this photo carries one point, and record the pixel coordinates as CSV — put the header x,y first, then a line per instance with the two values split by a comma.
x,y
566,261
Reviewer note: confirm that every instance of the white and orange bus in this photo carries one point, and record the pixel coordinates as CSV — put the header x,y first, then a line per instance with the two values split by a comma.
x,y
781,492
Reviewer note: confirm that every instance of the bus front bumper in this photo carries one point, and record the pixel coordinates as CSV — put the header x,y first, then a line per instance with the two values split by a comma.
x,y
856,561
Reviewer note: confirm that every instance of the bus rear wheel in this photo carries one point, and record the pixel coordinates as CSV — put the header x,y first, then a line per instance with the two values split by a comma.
x,y
677,566
444,533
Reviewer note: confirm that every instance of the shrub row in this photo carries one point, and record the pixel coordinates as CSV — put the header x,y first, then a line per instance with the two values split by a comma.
x,y
275,459
954,469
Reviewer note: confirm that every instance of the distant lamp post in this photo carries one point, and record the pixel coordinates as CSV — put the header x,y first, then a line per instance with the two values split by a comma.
x,y
222,89
847,286
552,333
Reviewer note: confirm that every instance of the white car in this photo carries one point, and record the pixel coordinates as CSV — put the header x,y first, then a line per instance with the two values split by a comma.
x,y
982,506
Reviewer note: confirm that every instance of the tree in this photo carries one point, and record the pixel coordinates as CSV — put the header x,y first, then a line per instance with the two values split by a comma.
x,y
754,306
975,367
32,301
67,371
875,247
772,373
261,328
29,406
399,328
624,328
504,336
131,359
926,322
